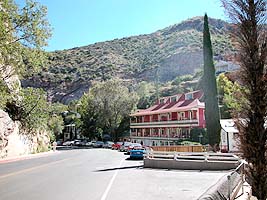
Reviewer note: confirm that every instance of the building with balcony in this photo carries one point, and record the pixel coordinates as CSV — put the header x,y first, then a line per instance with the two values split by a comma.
x,y
169,120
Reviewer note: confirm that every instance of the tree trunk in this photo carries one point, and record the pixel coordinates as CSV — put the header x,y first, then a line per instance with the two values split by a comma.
x,y
249,16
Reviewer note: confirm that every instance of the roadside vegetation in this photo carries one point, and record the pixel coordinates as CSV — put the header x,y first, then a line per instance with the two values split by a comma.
x,y
170,52
249,16
105,109
23,32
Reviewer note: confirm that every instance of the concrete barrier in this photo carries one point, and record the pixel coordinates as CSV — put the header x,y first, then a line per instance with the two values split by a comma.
x,y
190,161
190,164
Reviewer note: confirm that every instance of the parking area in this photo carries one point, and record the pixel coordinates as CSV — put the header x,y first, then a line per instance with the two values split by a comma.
x,y
99,174
137,182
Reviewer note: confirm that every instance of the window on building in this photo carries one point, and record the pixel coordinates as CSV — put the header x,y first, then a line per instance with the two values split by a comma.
x,y
173,99
189,96
161,101
182,115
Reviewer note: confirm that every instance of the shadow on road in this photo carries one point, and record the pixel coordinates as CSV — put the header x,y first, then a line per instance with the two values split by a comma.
x,y
119,168
63,148
133,159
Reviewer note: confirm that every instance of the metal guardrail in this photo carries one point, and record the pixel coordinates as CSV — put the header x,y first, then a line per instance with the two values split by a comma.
x,y
205,156
229,187
236,180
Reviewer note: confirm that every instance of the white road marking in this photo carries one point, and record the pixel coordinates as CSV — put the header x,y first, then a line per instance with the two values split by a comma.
x,y
104,196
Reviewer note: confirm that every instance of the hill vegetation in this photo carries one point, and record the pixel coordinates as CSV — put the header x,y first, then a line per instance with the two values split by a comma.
x,y
165,54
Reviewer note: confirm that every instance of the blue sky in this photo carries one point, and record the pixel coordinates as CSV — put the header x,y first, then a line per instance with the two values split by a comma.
x,y
82,22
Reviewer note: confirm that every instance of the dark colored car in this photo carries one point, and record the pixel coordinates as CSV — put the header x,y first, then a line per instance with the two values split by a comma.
x,y
60,142
98,144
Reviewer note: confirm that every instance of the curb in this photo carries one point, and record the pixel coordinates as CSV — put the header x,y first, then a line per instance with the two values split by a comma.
x,y
26,157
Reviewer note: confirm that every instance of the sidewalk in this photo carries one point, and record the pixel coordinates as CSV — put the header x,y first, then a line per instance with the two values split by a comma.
x,y
25,157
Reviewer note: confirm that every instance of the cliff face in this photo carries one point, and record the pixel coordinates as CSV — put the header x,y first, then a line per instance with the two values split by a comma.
x,y
175,50
15,143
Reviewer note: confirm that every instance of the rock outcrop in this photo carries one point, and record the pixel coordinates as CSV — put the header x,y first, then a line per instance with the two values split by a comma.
x,y
15,143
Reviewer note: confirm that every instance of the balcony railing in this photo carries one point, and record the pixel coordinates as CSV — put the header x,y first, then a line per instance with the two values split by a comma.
x,y
187,121
157,137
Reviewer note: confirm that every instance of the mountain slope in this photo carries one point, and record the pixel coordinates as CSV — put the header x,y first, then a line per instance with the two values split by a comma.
x,y
175,50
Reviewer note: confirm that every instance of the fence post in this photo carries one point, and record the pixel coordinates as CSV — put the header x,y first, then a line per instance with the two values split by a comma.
x,y
152,152
229,186
206,156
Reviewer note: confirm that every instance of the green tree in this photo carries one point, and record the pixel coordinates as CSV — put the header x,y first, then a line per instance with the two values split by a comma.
x,y
112,102
89,116
210,90
56,125
23,33
34,110
231,96
199,135
56,121
249,16
147,94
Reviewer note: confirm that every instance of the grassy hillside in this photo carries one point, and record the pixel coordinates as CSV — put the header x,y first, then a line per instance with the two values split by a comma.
x,y
167,53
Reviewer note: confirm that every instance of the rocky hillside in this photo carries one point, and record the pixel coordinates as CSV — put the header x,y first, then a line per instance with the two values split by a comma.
x,y
166,53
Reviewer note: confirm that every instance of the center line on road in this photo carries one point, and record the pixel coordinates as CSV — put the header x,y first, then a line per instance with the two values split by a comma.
x,y
111,182
32,168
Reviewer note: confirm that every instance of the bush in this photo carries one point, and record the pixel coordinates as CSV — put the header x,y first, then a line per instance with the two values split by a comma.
x,y
199,135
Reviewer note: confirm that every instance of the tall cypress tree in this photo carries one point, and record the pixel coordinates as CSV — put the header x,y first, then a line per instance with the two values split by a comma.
x,y
210,90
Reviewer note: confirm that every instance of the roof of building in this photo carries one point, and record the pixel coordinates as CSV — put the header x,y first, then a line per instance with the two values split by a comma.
x,y
228,125
181,104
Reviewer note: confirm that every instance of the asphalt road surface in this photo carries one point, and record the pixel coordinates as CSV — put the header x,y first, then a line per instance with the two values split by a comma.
x,y
98,174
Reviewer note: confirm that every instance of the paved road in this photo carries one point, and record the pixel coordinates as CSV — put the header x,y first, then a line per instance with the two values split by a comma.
x,y
98,174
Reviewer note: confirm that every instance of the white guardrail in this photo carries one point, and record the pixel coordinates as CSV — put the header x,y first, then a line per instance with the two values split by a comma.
x,y
207,156
235,180
234,189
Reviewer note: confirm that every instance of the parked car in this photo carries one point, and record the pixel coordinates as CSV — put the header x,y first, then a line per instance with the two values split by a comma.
x,y
116,146
108,144
137,153
90,143
84,141
77,142
133,146
98,144
68,143
60,142
124,146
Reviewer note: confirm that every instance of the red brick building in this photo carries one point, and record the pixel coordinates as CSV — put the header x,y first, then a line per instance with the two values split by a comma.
x,y
169,120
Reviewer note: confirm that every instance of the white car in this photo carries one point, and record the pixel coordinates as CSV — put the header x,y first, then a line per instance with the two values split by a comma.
x,y
124,146
90,144
108,144
68,143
